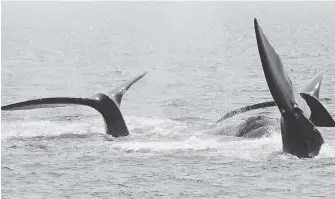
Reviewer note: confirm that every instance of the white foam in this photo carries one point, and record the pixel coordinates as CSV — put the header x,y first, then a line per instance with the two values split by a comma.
x,y
326,151
155,128
193,143
136,122
31,128
251,149
154,135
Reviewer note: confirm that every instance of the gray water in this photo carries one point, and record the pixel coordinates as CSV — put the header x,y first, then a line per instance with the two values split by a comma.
x,y
202,61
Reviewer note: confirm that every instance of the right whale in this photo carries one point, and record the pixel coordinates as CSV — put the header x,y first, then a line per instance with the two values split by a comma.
x,y
257,126
300,113
108,105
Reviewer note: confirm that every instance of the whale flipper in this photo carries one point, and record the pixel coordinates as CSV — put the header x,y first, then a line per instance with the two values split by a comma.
x,y
108,107
299,135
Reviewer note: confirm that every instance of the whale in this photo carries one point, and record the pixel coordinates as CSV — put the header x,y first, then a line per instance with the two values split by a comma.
x,y
108,105
258,126
300,113
313,88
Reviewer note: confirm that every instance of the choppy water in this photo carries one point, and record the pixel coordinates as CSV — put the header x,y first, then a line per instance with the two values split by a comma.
x,y
202,61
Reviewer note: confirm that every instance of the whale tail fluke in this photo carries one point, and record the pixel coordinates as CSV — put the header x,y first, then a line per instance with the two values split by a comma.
x,y
300,137
118,92
54,102
108,107
311,92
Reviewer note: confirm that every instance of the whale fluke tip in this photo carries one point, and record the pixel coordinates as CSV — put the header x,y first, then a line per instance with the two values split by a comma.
x,y
255,22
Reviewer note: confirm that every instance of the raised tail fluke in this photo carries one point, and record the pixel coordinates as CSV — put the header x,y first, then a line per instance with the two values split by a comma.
x,y
312,89
300,137
113,119
118,93
245,109
108,107
281,88
66,101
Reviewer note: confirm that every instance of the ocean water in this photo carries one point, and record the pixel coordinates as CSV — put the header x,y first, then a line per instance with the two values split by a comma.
x,y
202,61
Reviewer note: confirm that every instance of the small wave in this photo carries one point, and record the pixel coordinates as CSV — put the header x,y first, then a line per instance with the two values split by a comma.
x,y
6,168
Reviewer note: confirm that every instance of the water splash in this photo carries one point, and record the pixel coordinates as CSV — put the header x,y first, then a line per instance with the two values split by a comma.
x,y
326,151
155,136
